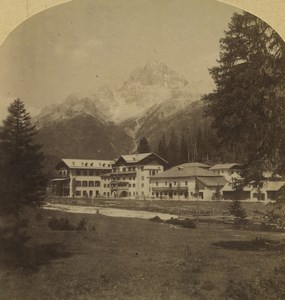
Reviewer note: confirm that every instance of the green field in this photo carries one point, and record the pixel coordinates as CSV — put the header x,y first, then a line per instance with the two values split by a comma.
x,y
138,259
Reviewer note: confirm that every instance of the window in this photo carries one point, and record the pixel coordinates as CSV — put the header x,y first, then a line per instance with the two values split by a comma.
x,y
84,194
142,177
78,193
142,184
78,172
186,182
142,168
84,183
156,183
84,172
78,183
134,185
91,173
165,183
130,185
174,183
91,183
153,172
105,185
97,183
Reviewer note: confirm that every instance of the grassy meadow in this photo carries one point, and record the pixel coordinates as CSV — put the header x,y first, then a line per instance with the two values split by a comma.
x,y
127,258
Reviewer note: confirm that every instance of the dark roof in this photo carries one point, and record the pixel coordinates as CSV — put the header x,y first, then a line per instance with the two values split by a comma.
x,y
212,181
177,172
136,158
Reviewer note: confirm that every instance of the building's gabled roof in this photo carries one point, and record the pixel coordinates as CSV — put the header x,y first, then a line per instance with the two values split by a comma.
x,y
177,172
194,164
136,158
87,163
226,166
212,181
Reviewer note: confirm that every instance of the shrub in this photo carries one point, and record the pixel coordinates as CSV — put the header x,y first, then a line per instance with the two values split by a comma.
x,y
156,219
64,224
236,209
82,225
60,224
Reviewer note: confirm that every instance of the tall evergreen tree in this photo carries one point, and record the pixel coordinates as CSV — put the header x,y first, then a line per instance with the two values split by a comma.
x,y
162,149
22,181
248,106
173,149
143,146
184,147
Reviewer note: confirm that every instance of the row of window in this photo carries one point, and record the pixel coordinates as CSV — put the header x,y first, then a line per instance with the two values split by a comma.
x,y
90,194
90,172
172,194
124,178
88,183
129,185
125,169
170,183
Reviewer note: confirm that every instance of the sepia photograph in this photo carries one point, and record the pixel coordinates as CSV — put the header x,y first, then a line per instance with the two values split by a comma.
x,y
142,150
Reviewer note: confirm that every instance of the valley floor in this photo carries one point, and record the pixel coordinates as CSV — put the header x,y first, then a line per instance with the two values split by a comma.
x,y
128,258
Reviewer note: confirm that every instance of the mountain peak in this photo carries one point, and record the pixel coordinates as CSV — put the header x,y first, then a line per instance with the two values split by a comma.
x,y
157,73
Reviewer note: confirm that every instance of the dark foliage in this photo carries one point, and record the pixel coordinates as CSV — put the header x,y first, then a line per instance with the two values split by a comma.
x,y
248,107
143,146
236,209
187,223
156,219
64,225
22,181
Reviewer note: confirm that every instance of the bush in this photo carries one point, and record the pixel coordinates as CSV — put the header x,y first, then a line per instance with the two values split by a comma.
x,y
156,219
60,224
236,209
64,224
186,223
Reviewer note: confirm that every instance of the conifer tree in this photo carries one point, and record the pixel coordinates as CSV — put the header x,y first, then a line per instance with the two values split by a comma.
x,y
143,146
173,149
162,149
184,147
248,105
22,182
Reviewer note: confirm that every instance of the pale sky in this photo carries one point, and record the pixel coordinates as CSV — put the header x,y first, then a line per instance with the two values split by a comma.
x,y
78,46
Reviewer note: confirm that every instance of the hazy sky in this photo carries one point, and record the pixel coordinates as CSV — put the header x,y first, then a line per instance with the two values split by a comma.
x,y
81,45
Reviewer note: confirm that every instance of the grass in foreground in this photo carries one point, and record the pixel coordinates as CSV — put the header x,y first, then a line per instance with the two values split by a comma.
x,y
138,259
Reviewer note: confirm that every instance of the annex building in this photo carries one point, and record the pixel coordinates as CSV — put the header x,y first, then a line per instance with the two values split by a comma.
x,y
186,182
81,178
